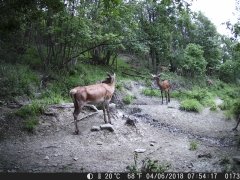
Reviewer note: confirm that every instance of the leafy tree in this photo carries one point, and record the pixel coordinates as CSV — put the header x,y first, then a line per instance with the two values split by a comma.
x,y
205,34
193,62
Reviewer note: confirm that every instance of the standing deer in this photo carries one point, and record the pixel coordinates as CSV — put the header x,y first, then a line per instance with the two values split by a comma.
x,y
163,86
93,94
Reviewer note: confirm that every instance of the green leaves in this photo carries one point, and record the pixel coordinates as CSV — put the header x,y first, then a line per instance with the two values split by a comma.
x,y
193,62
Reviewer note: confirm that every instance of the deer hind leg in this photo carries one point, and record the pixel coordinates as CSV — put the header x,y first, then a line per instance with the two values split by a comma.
x,y
235,128
75,115
168,96
104,113
109,118
77,110
162,96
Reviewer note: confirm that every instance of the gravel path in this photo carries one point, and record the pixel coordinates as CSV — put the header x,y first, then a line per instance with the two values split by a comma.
x,y
162,131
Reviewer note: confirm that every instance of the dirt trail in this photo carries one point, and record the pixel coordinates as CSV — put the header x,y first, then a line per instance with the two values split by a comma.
x,y
163,131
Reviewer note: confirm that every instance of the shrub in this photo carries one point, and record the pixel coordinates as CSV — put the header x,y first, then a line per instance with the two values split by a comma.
x,y
191,105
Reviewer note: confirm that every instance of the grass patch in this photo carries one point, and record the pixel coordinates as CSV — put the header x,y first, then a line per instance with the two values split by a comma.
x,y
213,107
154,166
30,124
151,92
148,165
193,146
128,99
31,110
191,105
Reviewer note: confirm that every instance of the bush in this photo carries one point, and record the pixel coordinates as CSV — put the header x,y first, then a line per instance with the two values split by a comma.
x,y
191,105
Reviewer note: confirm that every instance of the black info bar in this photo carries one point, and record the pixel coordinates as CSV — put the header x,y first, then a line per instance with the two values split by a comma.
x,y
125,176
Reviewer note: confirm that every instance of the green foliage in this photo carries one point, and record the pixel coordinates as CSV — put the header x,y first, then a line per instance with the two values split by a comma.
x,y
191,105
30,110
128,99
228,71
30,124
31,58
202,95
154,166
17,80
193,62
213,107
151,92
193,145
148,165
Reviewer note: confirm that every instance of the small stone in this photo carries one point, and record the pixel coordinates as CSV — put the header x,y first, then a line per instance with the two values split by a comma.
x,y
207,155
75,159
46,158
151,144
139,150
107,127
95,128
99,143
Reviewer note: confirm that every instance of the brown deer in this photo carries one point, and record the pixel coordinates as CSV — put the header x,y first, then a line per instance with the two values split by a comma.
x,y
163,86
93,94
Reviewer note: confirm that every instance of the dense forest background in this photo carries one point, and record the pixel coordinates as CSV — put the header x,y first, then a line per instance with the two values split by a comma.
x,y
53,35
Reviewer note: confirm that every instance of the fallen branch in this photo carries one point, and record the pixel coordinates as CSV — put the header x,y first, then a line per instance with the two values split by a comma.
x,y
87,116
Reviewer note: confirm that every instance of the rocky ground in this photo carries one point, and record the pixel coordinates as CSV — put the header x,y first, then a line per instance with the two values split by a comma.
x,y
156,131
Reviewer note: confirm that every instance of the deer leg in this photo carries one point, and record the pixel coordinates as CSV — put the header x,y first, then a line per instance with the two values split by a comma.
x,y
162,96
109,118
235,128
104,113
75,115
166,96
